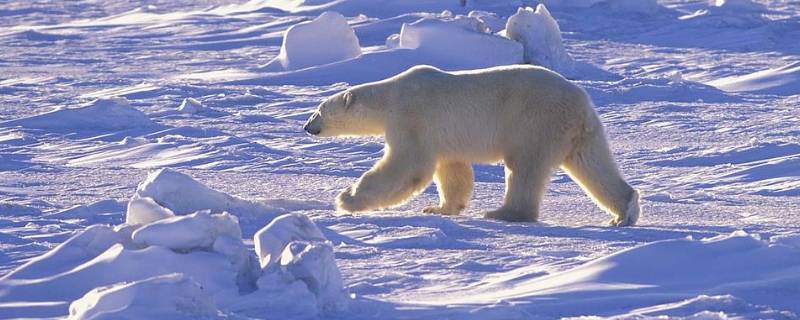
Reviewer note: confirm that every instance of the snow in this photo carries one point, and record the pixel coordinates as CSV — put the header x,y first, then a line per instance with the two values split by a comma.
x,y
134,136
540,37
326,39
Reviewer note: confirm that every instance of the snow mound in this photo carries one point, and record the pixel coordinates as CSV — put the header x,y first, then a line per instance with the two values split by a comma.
x,y
195,231
462,40
170,296
324,40
291,249
784,80
98,115
540,36
183,195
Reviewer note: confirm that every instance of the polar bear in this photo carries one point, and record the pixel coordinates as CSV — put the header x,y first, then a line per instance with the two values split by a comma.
x,y
436,124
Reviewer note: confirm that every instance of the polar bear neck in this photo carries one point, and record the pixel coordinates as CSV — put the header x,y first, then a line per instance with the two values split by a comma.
x,y
373,99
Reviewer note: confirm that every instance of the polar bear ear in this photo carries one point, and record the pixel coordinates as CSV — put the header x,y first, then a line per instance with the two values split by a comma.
x,y
348,99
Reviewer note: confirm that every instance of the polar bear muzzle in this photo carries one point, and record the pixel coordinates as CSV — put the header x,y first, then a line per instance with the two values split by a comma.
x,y
314,124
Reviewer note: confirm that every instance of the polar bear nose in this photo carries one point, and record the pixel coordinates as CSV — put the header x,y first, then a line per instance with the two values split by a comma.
x,y
312,126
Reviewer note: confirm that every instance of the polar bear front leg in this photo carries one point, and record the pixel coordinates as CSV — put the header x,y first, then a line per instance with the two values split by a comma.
x,y
396,177
454,181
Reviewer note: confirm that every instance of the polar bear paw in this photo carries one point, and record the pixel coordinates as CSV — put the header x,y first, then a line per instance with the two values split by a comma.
x,y
632,213
443,210
349,203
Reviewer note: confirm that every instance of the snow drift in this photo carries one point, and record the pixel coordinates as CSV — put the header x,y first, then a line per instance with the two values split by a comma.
x,y
170,296
98,115
739,264
783,80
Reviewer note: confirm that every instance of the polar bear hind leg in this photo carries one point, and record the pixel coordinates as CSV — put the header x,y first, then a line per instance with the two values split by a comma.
x,y
592,166
526,182
454,181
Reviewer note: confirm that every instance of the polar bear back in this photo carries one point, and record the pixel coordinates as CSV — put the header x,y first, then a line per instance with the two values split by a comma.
x,y
485,115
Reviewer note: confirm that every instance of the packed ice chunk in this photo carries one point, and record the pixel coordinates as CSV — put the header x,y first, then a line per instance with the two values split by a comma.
x,y
313,263
460,41
271,240
183,195
540,35
190,106
292,249
324,40
195,231
145,210
169,296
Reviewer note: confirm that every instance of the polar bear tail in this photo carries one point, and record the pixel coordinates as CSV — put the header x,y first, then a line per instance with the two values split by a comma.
x,y
591,164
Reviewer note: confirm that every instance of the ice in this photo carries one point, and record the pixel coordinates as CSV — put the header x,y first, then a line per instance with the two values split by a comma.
x,y
173,296
195,231
540,37
326,39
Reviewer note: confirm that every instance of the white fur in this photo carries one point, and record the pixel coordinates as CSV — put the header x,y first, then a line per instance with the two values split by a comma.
x,y
437,124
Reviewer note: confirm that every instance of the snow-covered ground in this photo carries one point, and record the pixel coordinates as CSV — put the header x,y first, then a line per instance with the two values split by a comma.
x,y
701,101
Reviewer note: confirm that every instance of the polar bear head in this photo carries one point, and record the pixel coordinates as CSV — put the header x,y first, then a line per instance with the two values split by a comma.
x,y
345,114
